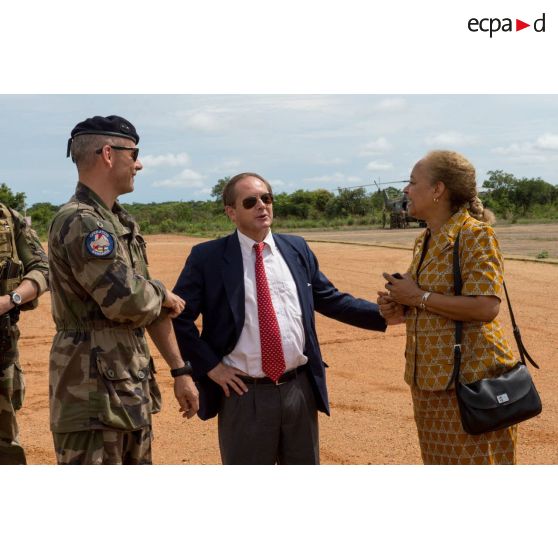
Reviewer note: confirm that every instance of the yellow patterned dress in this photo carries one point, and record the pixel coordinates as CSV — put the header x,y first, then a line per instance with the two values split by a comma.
x,y
430,340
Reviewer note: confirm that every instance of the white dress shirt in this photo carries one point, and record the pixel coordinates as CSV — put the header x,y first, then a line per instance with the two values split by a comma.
x,y
246,355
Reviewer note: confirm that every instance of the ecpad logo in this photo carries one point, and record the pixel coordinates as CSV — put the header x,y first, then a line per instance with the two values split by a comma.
x,y
494,24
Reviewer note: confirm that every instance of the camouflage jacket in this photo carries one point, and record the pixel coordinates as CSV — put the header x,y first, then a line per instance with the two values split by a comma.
x,y
101,372
21,257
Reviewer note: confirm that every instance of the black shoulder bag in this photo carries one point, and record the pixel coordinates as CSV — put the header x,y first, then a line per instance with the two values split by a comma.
x,y
493,403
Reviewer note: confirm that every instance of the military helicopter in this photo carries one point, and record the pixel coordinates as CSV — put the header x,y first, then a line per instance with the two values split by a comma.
x,y
394,211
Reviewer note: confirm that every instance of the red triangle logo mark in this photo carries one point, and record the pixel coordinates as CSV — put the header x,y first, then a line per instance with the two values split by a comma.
x,y
519,25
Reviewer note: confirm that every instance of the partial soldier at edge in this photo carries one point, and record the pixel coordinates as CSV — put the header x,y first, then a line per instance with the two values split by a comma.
x,y
23,278
102,384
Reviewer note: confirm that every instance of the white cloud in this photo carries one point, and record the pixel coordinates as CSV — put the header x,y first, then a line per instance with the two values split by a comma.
x,y
333,161
208,119
393,104
302,103
186,179
228,166
167,160
380,145
538,148
336,178
450,139
378,166
203,122
277,183
514,149
547,142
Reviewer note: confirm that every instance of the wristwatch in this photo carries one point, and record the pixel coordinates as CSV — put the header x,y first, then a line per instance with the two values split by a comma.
x,y
185,370
15,298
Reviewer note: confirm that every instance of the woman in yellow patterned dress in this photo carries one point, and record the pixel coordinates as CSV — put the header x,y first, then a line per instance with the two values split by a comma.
x,y
442,191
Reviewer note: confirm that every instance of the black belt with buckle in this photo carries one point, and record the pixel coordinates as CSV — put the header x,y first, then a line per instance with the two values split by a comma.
x,y
283,379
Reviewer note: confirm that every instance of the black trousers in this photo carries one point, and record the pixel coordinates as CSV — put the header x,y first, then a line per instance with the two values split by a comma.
x,y
270,424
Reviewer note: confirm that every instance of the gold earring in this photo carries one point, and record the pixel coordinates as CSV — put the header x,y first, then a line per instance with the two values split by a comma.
x,y
435,200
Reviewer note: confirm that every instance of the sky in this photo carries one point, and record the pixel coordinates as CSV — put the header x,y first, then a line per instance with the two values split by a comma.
x,y
188,142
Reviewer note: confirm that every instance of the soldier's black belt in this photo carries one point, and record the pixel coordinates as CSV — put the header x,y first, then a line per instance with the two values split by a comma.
x,y
93,324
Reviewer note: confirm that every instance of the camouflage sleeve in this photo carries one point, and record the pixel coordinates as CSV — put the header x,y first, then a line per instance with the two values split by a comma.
x,y
31,253
104,271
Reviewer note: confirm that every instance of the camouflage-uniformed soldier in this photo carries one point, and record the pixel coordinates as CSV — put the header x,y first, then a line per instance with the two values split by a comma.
x,y
102,385
23,277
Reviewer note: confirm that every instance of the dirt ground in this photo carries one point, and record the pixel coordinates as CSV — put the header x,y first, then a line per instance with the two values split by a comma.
x,y
516,241
371,421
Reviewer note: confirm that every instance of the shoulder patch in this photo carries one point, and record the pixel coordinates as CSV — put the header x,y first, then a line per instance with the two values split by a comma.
x,y
99,243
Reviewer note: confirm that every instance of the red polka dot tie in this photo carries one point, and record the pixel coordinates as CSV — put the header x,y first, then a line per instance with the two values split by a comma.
x,y
273,359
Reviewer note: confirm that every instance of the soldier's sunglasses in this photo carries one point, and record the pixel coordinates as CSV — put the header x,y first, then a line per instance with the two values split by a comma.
x,y
134,150
251,201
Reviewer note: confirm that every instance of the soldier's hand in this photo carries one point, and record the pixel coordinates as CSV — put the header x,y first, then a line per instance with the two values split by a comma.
x,y
187,395
228,377
175,304
5,304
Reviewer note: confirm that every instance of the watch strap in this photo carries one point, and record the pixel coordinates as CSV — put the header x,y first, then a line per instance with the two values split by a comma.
x,y
185,370
14,294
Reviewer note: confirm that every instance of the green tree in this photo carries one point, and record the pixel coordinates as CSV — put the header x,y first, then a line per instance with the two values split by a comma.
x,y
15,201
300,203
320,198
498,179
511,197
499,193
217,190
529,192
41,215
350,201
281,204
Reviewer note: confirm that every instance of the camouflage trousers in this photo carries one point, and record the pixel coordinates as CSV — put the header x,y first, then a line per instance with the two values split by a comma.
x,y
104,447
12,393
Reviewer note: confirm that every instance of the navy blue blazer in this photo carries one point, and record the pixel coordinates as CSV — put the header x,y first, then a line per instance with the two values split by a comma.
x,y
212,284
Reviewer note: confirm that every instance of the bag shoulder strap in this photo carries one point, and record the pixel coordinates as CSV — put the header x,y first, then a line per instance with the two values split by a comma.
x,y
517,334
458,285
425,243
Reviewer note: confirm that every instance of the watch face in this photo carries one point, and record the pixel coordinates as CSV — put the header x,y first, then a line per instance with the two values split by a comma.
x,y
16,298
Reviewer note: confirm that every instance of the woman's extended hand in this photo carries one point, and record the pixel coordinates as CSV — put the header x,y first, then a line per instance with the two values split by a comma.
x,y
404,291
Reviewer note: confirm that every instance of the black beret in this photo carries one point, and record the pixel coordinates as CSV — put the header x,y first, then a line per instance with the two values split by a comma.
x,y
104,126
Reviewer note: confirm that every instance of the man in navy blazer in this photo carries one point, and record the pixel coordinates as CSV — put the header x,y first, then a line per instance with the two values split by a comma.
x,y
261,420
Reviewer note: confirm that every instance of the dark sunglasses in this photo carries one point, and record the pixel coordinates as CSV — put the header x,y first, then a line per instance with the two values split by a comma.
x,y
134,150
251,201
